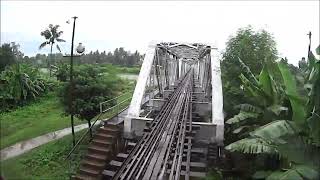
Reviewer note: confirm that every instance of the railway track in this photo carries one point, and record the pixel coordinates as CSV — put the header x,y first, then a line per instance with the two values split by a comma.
x,y
164,150
183,132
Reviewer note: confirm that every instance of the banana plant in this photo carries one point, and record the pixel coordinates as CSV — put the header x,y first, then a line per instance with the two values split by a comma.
x,y
20,82
296,138
286,140
267,94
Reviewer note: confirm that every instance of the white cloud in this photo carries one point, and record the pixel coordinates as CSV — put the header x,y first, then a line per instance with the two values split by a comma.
x,y
106,25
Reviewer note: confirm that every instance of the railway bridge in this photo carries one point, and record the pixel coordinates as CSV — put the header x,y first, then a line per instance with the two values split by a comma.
x,y
173,127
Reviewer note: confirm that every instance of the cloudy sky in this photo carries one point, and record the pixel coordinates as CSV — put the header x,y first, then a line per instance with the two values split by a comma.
x,y
106,25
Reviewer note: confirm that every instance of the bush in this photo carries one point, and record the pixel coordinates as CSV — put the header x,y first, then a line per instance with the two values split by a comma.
x,y
19,84
90,88
62,72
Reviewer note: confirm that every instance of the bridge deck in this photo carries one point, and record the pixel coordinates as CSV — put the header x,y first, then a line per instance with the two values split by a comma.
x,y
164,150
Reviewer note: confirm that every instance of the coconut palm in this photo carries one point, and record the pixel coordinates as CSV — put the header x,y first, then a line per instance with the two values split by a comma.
x,y
52,35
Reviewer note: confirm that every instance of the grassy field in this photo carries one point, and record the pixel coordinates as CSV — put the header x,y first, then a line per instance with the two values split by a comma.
x,y
120,69
38,118
46,114
45,162
131,70
33,120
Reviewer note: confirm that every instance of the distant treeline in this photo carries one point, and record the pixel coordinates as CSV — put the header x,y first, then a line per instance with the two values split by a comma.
x,y
118,57
9,54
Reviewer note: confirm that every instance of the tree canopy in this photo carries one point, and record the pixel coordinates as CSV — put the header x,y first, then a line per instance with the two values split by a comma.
x,y
9,54
253,48
52,36
91,87
119,57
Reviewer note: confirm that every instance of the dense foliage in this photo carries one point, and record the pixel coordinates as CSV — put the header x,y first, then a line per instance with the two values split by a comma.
x,y
62,71
254,48
118,57
91,86
9,54
280,121
20,83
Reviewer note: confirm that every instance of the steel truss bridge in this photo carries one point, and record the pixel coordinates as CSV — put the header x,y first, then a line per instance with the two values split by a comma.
x,y
173,127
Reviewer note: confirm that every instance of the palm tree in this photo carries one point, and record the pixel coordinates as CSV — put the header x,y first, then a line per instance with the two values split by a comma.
x,y
52,35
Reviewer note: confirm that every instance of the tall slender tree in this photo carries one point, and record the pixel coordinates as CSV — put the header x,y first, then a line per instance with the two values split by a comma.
x,y
52,35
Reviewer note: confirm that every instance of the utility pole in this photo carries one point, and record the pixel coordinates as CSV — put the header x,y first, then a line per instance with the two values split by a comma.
x,y
71,82
309,49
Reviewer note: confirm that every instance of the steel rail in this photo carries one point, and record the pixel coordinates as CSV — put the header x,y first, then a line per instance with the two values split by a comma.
x,y
182,125
183,134
137,154
166,135
187,174
155,138
165,162
141,143
165,150
176,163
157,166
151,152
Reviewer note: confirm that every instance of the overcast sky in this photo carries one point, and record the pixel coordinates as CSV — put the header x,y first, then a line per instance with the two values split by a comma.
x,y
106,25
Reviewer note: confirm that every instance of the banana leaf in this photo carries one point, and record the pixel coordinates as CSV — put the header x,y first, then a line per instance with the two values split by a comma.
x,y
241,117
274,130
298,111
252,146
267,85
297,172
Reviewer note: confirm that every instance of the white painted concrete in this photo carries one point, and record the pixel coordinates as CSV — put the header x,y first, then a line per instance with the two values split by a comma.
x,y
217,96
135,105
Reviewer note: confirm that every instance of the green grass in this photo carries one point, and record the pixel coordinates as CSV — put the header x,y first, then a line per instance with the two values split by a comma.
x,y
120,69
40,117
33,120
129,70
45,162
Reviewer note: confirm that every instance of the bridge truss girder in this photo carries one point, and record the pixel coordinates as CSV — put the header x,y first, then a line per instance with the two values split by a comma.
x,y
164,64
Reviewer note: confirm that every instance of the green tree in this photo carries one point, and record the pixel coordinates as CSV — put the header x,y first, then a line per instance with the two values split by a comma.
x,y
118,57
254,48
303,64
9,54
20,83
62,72
52,35
90,88
295,136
